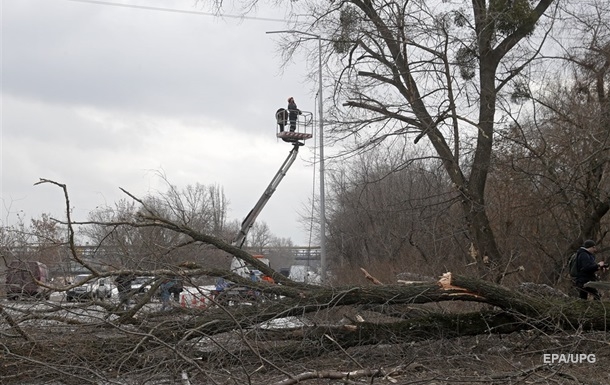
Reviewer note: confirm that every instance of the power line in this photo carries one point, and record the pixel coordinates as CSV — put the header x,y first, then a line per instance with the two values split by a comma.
x,y
183,11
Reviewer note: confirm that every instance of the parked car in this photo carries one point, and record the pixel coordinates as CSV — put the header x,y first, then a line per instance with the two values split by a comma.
x,y
97,288
83,291
141,285
303,273
21,277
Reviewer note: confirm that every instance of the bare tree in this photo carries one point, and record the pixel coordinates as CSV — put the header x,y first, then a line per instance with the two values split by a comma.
x,y
200,207
259,237
395,215
552,159
435,72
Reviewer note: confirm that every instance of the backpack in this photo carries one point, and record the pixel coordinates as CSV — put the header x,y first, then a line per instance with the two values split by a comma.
x,y
572,265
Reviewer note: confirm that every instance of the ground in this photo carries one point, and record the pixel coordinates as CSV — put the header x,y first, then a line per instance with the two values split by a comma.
x,y
517,358
97,354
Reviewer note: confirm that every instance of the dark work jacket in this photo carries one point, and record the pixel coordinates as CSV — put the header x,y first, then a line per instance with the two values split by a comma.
x,y
293,110
586,265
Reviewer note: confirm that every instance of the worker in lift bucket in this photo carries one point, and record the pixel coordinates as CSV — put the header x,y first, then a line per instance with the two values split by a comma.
x,y
294,112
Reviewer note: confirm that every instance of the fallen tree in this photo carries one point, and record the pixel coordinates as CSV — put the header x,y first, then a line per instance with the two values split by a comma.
x,y
222,337
267,341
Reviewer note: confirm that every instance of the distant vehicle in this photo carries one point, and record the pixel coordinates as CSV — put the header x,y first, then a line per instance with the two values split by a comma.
x,y
99,288
141,285
82,292
21,278
303,273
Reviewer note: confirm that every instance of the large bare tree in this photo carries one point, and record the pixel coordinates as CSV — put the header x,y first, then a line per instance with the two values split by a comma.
x,y
435,71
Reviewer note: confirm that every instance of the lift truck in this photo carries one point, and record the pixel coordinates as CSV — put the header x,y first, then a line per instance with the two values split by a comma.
x,y
226,292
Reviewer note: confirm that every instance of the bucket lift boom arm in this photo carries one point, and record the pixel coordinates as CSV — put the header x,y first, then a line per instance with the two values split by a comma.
x,y
253,214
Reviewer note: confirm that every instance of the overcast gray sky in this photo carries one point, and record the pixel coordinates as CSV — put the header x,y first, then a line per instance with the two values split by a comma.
x,y
100,97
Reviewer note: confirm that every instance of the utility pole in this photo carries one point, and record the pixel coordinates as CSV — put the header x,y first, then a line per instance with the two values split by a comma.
x,y
323,262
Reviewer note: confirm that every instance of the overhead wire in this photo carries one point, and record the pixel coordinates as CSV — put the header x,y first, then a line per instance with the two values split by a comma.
x,y
183,11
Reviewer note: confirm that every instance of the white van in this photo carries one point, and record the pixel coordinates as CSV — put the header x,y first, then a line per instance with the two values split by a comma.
x,y
304,273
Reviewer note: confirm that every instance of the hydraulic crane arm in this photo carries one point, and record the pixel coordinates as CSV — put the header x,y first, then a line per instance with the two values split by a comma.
x,y
253,214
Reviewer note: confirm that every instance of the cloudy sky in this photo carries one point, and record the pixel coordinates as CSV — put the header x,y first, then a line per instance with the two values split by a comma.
x,y
100,97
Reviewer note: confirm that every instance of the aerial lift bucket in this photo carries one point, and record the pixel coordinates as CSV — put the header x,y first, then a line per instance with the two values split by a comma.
x,y
302,130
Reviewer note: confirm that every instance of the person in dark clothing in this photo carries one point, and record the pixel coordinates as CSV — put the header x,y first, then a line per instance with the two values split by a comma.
x,y
176,288
586,268
281,116
123,285
166,287
293,112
